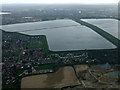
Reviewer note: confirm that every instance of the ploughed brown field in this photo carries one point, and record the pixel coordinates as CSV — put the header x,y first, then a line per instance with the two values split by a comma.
x,y
79,68
65,76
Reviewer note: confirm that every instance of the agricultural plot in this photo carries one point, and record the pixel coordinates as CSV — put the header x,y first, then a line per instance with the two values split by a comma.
x,y
108,25
79,68
65,76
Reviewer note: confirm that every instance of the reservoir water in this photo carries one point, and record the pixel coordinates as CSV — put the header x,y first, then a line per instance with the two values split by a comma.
x,y
63,35
108,25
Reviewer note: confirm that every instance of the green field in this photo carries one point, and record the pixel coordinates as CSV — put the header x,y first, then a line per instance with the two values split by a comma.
x,y
32,46
42,67
11,53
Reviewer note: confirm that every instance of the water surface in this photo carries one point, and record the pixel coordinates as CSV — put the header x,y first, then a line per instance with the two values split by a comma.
x,y
108,25
63,35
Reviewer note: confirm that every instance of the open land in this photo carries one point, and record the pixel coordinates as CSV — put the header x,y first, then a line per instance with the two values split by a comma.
x,y
65,76
95,77
78,76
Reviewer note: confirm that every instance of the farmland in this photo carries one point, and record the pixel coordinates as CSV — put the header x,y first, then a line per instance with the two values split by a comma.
x,y
65,76
80,68
94,76
77,76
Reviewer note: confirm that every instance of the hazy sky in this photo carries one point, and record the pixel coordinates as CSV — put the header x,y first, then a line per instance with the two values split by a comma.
x,y
60,1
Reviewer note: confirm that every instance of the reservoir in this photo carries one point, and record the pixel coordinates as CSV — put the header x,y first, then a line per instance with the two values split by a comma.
x,y
108,25
63,35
